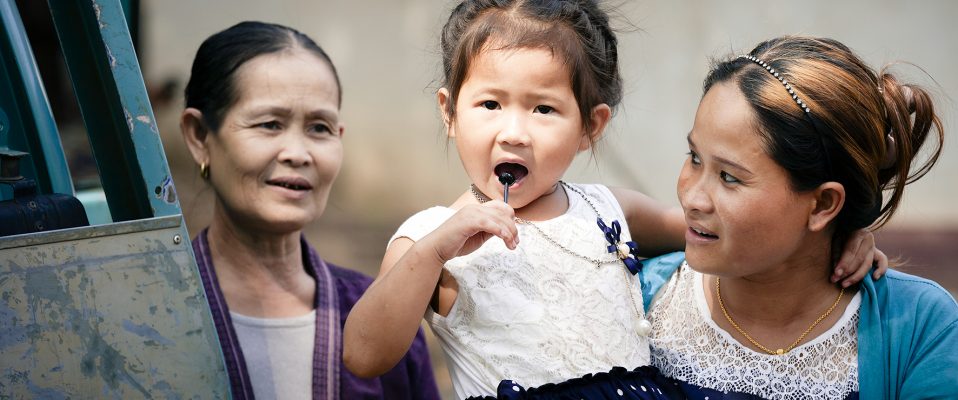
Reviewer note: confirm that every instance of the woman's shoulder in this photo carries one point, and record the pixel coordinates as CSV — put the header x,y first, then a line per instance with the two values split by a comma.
x,y
906,297
905,287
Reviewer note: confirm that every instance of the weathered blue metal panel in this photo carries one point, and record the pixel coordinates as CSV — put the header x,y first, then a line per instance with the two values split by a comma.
x,y
116,112
111,311
26,122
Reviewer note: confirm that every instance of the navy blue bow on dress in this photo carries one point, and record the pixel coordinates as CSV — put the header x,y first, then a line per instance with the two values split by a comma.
x,y
613,235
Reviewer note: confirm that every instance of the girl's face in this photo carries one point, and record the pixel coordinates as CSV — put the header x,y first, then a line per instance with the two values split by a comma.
x,y
516,112
279,148
744,218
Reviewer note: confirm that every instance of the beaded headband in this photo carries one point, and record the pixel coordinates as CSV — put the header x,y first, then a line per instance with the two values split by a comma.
x,y
780,79
802,104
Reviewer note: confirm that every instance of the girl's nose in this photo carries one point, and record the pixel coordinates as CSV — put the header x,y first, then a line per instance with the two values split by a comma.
x,y
515,131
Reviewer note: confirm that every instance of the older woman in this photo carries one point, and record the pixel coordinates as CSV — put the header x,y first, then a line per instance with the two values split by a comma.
x,y
262,121
792,147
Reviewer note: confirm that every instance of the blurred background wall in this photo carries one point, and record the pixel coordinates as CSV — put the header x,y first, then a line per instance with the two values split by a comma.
x,y
397,160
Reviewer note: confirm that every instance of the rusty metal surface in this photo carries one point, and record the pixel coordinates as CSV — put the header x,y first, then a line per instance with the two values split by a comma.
x,y
106,312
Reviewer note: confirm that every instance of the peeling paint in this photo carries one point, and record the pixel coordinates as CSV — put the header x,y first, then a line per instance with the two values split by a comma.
x,y
129,120
166,191
146,120
110,56
98,12
146,331
84,316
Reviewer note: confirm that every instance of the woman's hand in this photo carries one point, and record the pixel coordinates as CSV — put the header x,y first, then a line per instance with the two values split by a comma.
x,y
858,257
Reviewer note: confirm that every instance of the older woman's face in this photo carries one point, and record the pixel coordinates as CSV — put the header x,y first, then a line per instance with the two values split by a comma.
x,y
744,218
279,147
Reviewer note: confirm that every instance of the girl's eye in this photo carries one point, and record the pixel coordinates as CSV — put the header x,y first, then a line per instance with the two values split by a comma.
x,y
490,105
544,109
694,158
728,178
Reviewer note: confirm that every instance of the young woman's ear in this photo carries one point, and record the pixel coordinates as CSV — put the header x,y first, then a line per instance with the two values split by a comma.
x,y
829,200
601,114
195,134
444,100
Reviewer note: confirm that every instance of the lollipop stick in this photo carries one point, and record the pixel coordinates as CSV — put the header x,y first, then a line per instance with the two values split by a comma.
x,y
507,180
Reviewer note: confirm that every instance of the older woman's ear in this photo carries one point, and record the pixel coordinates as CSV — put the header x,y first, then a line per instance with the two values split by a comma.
x,y
829,199
195,133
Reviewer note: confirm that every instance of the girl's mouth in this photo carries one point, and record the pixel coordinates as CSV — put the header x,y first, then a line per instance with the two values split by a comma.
x,y
518,171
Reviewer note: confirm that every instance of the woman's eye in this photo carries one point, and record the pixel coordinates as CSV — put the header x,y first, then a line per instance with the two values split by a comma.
x,y
271,125
728,178
321,128
694,158
544,109
490,105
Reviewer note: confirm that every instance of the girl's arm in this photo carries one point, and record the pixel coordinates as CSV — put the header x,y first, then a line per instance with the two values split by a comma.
x,y
658,229
655,227
383,323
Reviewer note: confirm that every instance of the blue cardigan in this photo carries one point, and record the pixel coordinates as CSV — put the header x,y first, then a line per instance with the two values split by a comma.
x,y
907,332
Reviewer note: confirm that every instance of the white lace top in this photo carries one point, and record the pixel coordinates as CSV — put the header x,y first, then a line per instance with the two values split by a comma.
x,y
687,345
536,314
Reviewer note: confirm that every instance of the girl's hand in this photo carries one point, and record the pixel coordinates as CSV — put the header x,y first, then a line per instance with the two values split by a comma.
x,y
858,257
471,226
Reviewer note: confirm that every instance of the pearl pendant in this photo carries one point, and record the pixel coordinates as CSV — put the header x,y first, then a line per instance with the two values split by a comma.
x,y
643,327
623,250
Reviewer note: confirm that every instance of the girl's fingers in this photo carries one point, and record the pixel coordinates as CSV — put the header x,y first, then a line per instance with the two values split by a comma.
x,y
881,264
850,255
862,270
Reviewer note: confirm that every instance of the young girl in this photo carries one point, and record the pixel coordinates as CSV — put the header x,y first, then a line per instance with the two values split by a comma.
x,y
528,85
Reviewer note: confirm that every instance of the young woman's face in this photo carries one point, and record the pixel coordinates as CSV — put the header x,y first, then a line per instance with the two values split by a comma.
x,y
743,215
516,112
279,147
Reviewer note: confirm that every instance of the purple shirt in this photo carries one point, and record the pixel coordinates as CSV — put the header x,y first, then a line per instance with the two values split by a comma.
x,y
337,290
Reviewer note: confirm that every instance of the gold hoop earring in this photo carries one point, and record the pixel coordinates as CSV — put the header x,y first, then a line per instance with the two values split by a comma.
x,y
204,171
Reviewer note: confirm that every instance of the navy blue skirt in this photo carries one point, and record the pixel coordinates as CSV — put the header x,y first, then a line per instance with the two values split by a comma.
x,y
619,383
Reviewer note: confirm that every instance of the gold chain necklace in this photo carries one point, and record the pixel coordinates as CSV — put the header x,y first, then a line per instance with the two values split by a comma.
x,y
642,325
718,292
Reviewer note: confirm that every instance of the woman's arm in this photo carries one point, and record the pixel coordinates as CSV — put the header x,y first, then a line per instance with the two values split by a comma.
x,y
383,323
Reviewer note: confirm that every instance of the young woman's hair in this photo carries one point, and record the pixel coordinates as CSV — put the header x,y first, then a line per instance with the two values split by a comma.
x,y
212,85
577,32
862,129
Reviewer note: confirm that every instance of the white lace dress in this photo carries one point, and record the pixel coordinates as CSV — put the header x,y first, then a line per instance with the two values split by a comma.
x,y
536,314
689,347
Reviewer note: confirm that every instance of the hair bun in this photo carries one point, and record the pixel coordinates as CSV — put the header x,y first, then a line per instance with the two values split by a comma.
x,y
909,97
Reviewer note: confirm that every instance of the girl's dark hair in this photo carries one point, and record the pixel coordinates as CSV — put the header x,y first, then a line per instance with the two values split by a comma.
x,y
864,129
575,31
212,86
